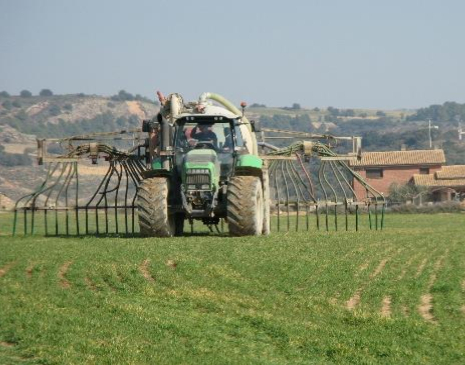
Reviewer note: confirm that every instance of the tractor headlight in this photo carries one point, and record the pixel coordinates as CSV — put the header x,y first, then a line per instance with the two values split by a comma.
x,y
205,187
191,187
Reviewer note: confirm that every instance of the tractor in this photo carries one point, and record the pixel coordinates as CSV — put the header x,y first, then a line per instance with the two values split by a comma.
x,y
202,164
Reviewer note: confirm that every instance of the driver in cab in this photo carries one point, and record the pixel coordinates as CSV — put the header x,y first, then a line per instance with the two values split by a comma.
x,y
203,133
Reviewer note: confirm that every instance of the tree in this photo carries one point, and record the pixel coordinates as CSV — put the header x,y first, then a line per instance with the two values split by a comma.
x,y
123,96
4,94
46,92
25,94
295,106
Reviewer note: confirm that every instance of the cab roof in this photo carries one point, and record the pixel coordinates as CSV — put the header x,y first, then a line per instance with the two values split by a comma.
x,y
208,111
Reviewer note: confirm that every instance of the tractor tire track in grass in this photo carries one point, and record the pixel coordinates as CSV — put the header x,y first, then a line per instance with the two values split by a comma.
x,y
64,282
6,268
354,301
425,308
144,270
423,263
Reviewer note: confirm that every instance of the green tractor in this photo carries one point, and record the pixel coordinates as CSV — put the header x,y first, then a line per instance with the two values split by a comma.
x,y
203,164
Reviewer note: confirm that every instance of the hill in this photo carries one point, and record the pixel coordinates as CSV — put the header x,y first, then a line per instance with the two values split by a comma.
x,y
24,118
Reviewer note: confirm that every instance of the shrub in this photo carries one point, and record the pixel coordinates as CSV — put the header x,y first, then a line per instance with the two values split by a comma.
x,y
46,92
7,104
15,159
54,110
445,207
25,94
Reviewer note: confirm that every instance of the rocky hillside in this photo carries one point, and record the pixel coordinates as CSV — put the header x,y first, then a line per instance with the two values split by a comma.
x,y
23,119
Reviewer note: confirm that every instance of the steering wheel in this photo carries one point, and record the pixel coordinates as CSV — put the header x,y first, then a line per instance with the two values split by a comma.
x,y
204,145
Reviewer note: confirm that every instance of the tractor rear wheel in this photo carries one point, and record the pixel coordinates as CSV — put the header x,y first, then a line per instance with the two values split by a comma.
x,y
245,206
155,219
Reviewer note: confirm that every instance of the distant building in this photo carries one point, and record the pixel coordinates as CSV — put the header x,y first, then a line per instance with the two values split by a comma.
x,y
381,169
444,185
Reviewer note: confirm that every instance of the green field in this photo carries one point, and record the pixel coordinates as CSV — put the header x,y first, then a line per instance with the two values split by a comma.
x,y
393,296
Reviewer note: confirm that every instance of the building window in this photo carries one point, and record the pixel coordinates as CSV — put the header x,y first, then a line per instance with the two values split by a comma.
x,y
424,170
374,173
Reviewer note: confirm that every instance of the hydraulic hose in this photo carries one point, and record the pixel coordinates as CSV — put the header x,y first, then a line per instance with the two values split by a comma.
x,y
248,136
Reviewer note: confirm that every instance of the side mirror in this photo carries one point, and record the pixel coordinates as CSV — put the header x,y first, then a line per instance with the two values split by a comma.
x,y
256,127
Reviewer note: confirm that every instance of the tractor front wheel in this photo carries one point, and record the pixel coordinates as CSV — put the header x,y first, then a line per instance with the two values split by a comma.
x,y
155,220
245,206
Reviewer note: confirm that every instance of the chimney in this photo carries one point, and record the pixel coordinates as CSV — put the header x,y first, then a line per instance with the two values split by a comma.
x,y
403,147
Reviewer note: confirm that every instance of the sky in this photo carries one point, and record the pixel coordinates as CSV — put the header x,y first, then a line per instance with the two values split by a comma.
x,y
318,53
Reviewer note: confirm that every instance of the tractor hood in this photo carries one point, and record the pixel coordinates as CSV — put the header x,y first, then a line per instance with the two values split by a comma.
x,y
201,162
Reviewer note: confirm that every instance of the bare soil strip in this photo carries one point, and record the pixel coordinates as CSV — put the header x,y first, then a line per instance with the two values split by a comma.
x,y
90,284
29,270
355,300
6,344
420,268
6,268
65,284
363,266
386,307
144,270
426,303
404,310
406,266
425,308
172,264
379,268
463,285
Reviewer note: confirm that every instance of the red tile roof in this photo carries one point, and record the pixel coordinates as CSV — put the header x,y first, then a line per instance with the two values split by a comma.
x,y
401,158
448,176
451,172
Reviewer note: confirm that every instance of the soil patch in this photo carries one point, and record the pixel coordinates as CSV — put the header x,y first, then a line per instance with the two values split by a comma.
x,y
420,268
379,268
65,284
425,308
172,264
386,307
29,270
6,268
90,284
354,301
144,270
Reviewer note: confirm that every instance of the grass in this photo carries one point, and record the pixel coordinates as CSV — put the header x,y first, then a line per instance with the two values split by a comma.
x,y
210,299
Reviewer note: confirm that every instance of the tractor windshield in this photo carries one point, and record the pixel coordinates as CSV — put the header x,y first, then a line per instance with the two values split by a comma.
x,y
217,136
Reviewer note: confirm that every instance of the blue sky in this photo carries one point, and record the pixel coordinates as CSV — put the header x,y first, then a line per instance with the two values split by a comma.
x,y
346,54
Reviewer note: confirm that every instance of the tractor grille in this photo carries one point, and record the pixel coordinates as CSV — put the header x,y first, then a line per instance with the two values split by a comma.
x,y
198,179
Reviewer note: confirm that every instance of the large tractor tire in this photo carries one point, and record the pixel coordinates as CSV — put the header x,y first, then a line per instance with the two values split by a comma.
x,y
266,203
155,219
245,206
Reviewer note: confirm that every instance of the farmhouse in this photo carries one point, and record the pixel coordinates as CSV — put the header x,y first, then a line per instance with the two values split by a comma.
x,y
381,169
444,185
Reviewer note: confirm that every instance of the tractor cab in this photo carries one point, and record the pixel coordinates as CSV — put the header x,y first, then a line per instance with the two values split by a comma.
x,y
204,154
201,141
